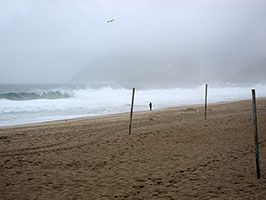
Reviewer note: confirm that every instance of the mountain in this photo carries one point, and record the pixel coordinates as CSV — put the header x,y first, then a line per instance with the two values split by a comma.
x,y
254,72
138,69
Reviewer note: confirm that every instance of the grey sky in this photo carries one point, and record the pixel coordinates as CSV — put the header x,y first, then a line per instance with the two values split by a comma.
x,y
51,40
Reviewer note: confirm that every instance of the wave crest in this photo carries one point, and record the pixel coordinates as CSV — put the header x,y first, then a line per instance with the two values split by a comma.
x,y
22,96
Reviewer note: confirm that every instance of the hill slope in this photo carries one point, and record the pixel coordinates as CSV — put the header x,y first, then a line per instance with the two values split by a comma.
x,y
138,69
254,72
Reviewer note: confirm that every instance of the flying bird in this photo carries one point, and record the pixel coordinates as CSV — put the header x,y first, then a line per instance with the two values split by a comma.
x,y
111,20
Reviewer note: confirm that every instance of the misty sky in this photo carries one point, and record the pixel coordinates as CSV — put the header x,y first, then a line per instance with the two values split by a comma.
x,y
48,41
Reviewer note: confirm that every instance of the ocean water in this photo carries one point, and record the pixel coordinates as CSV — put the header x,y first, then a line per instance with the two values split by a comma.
x,y
24,104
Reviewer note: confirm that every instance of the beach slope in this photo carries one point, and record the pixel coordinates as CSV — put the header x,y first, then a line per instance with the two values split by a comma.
x,y
171,154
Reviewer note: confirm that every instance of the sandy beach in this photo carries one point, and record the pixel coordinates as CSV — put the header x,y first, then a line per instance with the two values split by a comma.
x,y
171,154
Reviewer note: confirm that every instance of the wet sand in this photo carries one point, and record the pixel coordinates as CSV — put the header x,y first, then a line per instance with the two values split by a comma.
x,y
171,154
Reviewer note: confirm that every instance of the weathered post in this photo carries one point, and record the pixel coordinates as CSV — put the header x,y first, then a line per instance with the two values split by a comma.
x,y
131,112
256,133
206,90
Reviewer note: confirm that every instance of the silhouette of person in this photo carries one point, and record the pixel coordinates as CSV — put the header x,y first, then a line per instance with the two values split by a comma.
x,y
150,104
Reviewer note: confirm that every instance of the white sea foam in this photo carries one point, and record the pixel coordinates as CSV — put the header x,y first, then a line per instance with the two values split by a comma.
x,y
107,100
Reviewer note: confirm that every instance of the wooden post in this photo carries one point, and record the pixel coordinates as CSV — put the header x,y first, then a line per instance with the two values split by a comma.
x,y
206,90
256,133
131,112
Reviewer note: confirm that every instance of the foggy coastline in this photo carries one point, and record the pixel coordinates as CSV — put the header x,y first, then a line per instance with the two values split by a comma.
x,y
62,59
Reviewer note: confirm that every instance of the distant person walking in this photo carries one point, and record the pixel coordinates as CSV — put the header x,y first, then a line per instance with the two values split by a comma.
x,y
150,104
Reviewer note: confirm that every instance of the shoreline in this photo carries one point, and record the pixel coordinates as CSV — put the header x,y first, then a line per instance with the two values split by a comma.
x,y
123,113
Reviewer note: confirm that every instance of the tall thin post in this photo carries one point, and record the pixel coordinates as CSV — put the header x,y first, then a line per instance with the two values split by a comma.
x,y
206,90
131,112
256,133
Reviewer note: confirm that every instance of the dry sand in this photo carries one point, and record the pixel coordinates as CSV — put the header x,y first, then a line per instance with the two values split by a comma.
x,y
171,154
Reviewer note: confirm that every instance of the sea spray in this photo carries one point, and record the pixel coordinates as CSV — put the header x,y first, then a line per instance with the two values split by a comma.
x,y
62,103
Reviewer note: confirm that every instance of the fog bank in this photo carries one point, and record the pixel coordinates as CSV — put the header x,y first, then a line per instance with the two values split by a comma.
x,y
53,41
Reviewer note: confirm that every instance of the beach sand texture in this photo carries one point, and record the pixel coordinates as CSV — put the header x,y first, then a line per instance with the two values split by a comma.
x,y
171,154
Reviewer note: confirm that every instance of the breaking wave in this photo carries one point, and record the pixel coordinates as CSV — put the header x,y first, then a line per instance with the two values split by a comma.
x,y
22,96
38,105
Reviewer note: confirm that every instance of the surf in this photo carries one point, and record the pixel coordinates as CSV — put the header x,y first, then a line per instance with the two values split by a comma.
x,y
22,96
